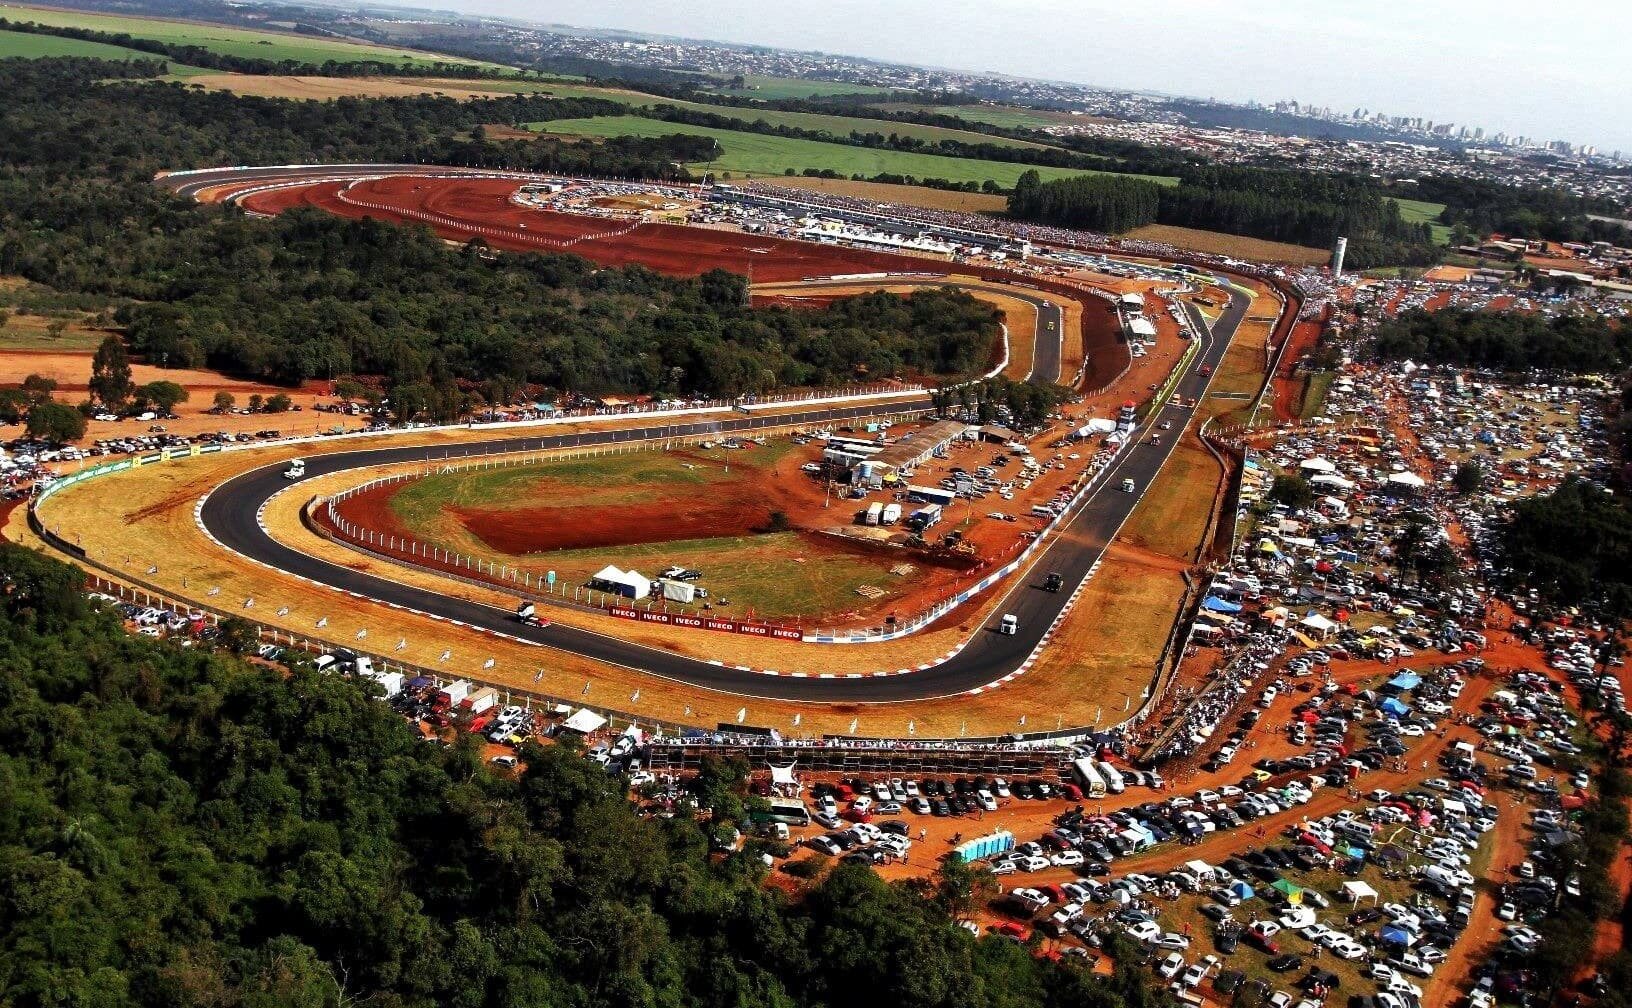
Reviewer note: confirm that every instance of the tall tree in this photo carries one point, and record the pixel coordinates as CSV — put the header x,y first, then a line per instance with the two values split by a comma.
x,y
110,373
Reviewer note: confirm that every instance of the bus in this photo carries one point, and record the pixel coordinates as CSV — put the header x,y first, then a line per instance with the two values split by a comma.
x,y
1093,785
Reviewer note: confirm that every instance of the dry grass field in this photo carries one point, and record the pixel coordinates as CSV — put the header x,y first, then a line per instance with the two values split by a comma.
x,y
1218,243
905,195
328,88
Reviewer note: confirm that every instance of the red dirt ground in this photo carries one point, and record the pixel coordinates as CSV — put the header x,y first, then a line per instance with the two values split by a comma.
x,y
735,508
1288,389
482,207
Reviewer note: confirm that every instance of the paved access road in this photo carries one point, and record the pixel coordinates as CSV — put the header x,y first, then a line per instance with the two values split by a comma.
x,y
230,515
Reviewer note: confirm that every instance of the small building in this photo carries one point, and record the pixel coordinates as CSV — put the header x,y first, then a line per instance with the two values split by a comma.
x,y
1141,327
918,447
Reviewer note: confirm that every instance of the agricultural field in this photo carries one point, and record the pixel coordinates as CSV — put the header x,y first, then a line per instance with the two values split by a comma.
x,y
227,41
773,88
1008,116
30,46
844,125
1420,211
329,88
918,196
1239,246
759,154
836,124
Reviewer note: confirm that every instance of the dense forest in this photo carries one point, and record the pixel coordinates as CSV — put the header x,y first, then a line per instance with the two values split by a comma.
x,y
1574,546
309,295
179,828
1302,208
1506,341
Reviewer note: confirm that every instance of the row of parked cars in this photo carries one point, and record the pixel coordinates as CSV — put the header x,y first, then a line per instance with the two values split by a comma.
x,y
859,799
866,843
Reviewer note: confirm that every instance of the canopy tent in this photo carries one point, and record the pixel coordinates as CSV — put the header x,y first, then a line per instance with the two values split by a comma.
x,y
1291,890
1318,626
1354,891
1317,465
784,775
629,584
1393,706
1215,604
1406,481
584,721
1241,890
1395,936
1406,681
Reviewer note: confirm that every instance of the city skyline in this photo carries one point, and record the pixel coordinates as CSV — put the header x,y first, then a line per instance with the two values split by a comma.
x,y
1493,65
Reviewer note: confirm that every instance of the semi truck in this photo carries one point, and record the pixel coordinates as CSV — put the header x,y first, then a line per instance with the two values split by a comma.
x,y
1053,582
527,613
450,695
1093,785
925,517
479,701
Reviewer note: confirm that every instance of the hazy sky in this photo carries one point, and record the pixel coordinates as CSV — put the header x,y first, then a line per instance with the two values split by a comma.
x,y
1555,70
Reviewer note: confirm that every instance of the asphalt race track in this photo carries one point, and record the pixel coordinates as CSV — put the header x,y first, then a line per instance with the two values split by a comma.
x,y
229,513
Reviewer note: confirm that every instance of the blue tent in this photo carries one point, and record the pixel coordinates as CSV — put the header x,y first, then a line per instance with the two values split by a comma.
x,y
1242,890
1395,936
1393,706
1215,604
1406,681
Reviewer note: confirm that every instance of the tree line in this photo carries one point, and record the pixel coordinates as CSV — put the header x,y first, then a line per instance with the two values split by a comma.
x,y
311,295
1301,208
1576,343
181,829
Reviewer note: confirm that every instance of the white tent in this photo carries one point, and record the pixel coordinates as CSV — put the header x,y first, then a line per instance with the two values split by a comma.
x,y
1332,480
1407,480
629,584
1354,891
784,775
584,722
1141,327
1317,464
1318,626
